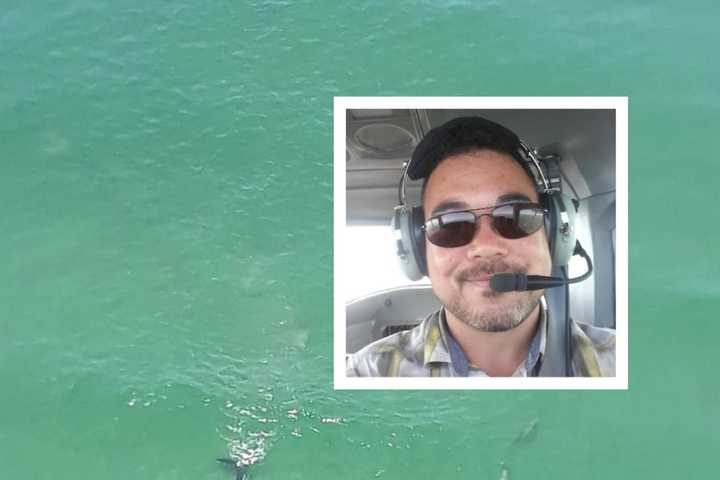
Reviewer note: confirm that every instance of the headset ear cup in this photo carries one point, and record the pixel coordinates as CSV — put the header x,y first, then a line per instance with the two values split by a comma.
x,y
418,220
547,204
561,231
404,237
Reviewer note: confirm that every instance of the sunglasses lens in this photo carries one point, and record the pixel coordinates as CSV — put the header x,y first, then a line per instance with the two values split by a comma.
x,y
517,221
451,230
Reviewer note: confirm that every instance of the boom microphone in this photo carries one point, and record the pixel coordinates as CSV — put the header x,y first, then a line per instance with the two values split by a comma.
x,y
511,282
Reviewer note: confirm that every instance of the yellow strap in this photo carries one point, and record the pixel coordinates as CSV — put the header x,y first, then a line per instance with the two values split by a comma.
x,y
430,344
431,341
394,368
588,358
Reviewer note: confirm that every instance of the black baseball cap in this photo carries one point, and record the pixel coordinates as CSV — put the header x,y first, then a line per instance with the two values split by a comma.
x,y
461,135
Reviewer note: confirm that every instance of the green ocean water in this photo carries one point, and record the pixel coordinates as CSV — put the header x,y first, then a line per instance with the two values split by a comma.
x,y
166,237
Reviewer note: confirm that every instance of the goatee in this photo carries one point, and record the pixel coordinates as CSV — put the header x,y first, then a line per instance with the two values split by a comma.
x,y
493,317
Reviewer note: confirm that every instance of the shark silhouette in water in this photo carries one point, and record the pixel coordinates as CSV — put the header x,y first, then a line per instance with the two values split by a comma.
x,y
239,469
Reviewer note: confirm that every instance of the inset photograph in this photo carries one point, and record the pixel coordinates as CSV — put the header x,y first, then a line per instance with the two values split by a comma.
x,y
481,247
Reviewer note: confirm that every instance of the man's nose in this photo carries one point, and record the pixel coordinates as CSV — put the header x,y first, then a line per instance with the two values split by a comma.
x,y
486,242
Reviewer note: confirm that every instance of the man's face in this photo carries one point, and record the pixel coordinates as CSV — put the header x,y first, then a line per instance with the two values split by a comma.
x,y
460,276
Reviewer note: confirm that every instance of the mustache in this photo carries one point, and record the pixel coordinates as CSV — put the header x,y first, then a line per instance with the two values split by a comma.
x,y
491,268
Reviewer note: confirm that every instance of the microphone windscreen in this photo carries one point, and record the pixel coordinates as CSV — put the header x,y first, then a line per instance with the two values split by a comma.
x,y
504,282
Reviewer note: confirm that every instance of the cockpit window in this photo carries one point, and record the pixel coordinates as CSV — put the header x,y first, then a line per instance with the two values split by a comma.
x,y
370,261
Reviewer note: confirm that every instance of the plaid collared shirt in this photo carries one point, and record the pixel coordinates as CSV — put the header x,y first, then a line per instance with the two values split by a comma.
x,y
429,350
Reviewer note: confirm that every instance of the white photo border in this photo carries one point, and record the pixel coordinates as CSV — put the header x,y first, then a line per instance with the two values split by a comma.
x,y
620,381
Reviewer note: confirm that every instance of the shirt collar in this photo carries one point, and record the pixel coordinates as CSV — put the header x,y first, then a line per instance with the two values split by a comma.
x,y
454,354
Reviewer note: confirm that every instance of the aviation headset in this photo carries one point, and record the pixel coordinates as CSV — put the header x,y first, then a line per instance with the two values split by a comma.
x,y
408,221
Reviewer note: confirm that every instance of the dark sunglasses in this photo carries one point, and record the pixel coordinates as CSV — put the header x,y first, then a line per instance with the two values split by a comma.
x,y
510,220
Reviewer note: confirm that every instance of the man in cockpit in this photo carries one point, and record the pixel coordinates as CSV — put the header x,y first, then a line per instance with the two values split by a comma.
x,y
482,216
